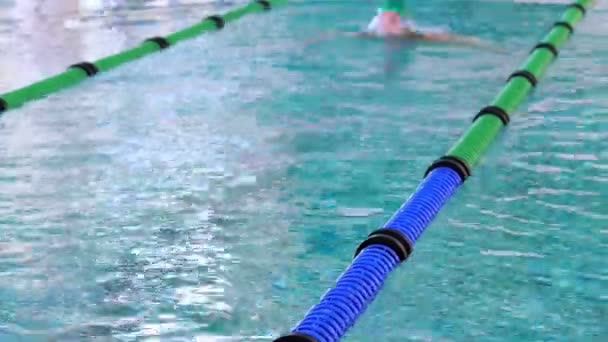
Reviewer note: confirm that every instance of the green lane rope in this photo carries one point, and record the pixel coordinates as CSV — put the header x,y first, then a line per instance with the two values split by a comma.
x,y
79,72
488,123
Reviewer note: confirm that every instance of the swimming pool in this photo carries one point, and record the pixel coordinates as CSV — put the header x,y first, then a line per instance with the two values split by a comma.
x,y
219,188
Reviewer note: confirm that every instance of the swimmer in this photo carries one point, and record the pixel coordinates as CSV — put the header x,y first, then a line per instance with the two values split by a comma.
x,y
391,23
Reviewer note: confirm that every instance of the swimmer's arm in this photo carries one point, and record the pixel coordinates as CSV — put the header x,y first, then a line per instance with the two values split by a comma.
x,y
360,34
458,39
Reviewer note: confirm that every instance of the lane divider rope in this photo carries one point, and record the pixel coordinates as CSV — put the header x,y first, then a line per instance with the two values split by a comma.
x,y
162,42
89,68
496,111
386,248
77,73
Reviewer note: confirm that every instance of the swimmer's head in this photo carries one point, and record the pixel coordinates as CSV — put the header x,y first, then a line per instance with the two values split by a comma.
x,y
389,23
390,19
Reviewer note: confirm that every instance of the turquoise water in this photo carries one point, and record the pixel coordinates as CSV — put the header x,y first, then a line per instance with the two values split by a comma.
x,y
215,191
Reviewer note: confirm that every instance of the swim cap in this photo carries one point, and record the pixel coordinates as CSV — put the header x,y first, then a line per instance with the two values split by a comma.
x,y
397,6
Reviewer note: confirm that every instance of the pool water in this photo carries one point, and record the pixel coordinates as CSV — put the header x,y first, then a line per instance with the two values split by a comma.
x,y
215,191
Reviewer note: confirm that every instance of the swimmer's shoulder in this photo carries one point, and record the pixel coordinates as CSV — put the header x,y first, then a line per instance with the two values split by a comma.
x,y
411,34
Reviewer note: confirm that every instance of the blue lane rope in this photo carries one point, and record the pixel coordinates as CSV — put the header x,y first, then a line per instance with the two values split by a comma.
x,y
418,212
339,308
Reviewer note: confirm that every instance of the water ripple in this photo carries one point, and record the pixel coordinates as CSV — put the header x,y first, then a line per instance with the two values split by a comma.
x,y
213,191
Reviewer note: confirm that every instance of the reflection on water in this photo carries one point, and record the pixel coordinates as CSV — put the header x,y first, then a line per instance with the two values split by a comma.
x,y
38,36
